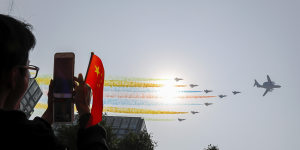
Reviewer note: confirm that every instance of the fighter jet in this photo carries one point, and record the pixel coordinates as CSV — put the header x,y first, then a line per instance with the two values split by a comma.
x,y
221,96
207,91
194,112
207,104
180,119
235,92
178,79
193,85
269,85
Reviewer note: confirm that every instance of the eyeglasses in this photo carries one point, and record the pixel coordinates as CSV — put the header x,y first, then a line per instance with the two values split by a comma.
x,y
33,71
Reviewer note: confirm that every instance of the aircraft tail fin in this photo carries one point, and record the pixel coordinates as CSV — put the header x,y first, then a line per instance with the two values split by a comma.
x,y
256,84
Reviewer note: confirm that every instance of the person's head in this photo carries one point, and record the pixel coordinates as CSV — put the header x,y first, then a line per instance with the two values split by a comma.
x,y
16,40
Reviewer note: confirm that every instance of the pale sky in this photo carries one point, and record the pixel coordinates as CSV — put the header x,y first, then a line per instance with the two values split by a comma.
x,y
220,45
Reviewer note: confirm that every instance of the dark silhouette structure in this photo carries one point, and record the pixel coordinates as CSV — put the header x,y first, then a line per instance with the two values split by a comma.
x,y
30,98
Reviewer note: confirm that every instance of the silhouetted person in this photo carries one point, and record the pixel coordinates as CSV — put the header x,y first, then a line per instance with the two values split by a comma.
x,y
16,131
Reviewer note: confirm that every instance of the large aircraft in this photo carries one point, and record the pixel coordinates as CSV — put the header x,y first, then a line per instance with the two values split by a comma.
x,y
194,112
221,96
207,104
180,119
236,92
269,85
178,79
193,85
207,91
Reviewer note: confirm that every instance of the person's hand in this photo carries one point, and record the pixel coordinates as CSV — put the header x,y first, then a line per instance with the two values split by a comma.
x,y
82,96
48,114
50,95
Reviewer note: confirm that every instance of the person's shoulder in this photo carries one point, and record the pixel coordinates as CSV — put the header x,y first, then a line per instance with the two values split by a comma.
x,y
16,128
8,117
16,121
39,122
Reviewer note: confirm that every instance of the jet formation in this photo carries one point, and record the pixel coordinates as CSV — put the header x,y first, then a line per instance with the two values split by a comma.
x,y
269,85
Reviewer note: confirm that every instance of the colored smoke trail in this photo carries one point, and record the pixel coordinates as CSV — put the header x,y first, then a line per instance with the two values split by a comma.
x,y
137,89
190,91
121,83
134,79
147,96
45,106
138,111
196,96
180,85
110,83
132,89
124,110
138,92
130,96
41,106
45,80
144,102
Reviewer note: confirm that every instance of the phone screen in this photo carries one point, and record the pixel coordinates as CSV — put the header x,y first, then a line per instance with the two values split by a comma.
x,y
63,77
63,110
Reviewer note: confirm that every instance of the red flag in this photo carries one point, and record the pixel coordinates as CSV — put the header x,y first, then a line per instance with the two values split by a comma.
x,y
95,79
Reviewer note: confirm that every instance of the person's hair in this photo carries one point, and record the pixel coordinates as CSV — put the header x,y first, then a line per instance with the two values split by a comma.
x,y
16,40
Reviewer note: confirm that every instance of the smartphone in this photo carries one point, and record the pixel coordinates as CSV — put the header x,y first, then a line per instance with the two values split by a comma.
x,y
63,105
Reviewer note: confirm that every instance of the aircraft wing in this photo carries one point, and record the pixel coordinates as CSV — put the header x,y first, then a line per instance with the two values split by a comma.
x,y
269,80
267,90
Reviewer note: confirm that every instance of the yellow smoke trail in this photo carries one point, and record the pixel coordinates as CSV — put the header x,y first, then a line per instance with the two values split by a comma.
x,y
112,83
45,106
148,96
41,106
180,85
138,111
43,80
123,110
121,83
134,78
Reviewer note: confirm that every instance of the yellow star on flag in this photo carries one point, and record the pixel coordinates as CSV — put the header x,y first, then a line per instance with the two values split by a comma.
x,y
97,70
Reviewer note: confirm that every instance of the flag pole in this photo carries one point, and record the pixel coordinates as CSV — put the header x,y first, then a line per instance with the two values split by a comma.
x,y
92,53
